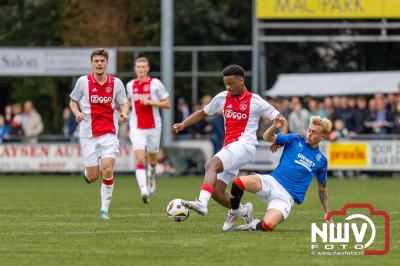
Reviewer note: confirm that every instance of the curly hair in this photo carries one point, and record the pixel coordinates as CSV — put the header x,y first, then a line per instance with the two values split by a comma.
x,y
233,70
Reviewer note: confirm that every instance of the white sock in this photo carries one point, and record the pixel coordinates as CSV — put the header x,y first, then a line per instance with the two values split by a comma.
x,y
204,197
241,211
106,191
141,179
152,171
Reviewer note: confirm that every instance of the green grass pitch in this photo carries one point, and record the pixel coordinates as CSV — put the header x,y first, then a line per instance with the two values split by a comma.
x,y
53,220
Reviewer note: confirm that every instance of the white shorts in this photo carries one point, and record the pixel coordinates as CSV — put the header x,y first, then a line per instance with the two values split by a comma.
x,y
99,147
146,138
233,157
275,195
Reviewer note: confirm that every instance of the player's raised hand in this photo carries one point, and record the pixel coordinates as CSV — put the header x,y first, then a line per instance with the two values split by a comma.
x,y
177,127
79,117
279,121
123,117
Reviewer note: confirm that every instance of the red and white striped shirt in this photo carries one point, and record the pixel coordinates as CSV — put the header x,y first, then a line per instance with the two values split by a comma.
x,y
97,103
241,115
142,116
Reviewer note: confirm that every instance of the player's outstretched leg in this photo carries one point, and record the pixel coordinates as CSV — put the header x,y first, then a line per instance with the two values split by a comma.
x,y
200,206
196,206
272,218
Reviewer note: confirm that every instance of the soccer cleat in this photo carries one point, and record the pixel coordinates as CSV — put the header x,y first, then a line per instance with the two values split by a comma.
x,y
196,206
104,215
248,212
248,227
146,198
230,220
152,184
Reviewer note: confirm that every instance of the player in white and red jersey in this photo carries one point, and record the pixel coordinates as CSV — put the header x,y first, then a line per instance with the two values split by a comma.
x,y
147,95
242,111
93,104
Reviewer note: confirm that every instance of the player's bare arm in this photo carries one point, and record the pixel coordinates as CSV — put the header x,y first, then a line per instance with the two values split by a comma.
x,y
323,196
269,134
164,104
192,119
123,116
79,116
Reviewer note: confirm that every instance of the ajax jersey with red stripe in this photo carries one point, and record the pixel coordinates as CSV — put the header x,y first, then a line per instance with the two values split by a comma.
x,y
97,103
241,115
142,116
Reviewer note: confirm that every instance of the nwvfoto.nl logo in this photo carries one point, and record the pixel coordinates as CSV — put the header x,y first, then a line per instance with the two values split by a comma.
x,y
356,234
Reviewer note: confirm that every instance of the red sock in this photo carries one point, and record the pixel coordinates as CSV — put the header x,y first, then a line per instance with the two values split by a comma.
x,y
239,183
208,188
266,227
108,181
139,166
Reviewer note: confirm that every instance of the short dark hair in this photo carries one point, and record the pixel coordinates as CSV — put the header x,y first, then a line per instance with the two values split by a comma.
x,y
233,70
99,51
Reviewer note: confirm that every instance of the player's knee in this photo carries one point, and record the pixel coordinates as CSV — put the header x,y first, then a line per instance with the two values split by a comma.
x,y
140,161
92,177
107,171
211,165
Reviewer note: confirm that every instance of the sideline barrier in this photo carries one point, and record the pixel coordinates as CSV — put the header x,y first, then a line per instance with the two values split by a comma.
x,y
67,158
369,155
365,155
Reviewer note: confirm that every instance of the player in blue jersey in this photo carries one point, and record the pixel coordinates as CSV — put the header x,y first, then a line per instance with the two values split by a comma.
x,y
301,160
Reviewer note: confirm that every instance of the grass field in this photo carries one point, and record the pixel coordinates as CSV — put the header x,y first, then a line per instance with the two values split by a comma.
x,y
53,220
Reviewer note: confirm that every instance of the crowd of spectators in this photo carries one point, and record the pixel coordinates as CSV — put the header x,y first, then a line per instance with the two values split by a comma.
x,y
352,116
20,123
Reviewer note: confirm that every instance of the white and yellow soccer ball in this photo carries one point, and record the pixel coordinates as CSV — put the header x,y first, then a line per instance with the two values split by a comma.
x,y
177,211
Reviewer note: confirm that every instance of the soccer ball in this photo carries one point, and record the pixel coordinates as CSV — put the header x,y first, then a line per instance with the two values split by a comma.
x,y
177,211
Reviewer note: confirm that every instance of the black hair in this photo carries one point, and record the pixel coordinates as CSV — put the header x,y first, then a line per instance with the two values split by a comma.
x,y
233,70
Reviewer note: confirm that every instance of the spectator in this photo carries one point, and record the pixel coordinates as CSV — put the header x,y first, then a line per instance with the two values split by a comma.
x,y
315,110
70,124
298,118
339,131
396,118
360,115
163,166
327,106
31,122
379,120
183,113
15,126
350,112
8,114
3,129
391,102
218,131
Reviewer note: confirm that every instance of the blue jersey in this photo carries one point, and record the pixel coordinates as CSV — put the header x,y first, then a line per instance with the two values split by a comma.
x,y
298,165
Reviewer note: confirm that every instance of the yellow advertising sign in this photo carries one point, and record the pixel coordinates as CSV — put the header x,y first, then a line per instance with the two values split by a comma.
x,y
327,9
347,154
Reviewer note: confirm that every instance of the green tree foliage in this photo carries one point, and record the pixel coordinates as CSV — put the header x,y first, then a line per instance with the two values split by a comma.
x,y
137,23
